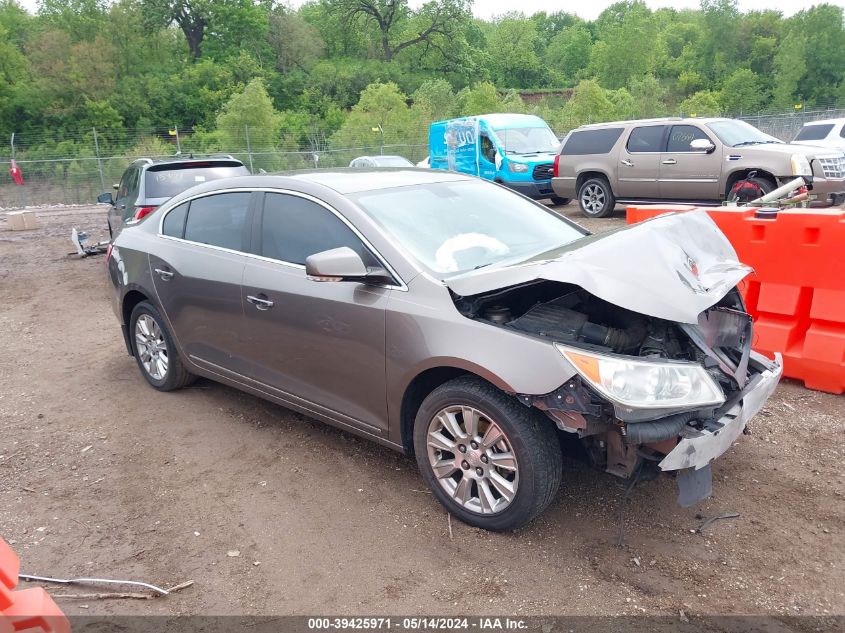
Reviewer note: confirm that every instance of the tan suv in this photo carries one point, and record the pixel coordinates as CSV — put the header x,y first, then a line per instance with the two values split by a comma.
x,y
690,160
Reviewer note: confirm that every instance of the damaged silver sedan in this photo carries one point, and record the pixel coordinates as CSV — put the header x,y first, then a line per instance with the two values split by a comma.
x,y
451,318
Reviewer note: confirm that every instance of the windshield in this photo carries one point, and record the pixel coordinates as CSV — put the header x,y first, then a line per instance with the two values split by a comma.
x,y
528,140
168,180
738,133
452,227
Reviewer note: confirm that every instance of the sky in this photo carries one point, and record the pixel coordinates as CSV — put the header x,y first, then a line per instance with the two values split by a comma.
x,y
587,10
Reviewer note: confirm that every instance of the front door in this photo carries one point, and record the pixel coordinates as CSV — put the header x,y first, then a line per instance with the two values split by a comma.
x,y
486,157
197,270
125,197
316,345
688,174
638,165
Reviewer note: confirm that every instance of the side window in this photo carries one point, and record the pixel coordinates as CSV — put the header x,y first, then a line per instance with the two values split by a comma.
x,y
174,221
218,220
681,136
598,141
842,132
646,139
488,150
292,228
123,189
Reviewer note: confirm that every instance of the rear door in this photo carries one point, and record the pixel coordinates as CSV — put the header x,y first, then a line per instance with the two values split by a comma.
x,y
638,168
197,271
688,174
316,345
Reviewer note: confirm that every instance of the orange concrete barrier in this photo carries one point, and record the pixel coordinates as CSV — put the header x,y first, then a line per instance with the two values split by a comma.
x,y
797,291
28,610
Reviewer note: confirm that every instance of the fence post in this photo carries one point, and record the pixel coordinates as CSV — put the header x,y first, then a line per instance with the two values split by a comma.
x,y
178,143
99,161
248,148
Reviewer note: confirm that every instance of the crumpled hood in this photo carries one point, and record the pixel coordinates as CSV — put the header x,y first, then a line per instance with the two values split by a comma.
x,y
671,267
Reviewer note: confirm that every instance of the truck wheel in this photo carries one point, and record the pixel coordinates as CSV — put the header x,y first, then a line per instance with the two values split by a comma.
x,y
492,462
596,199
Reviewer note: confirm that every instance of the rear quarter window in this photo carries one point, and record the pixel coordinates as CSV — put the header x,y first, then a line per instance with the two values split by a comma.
x,y
814,132
599,141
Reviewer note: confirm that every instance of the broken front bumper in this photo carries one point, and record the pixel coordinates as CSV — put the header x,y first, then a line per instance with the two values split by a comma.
x,y
697,448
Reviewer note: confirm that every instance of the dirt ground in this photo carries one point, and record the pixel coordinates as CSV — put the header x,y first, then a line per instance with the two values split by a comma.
x,y
102,476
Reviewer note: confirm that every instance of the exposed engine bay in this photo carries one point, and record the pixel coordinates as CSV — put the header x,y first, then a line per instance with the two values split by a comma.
x,y
616,438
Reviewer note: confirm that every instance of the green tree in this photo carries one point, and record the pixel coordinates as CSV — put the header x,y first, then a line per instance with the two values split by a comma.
x,y
296,43
569,52
627,35
434,100
742,92
254,109
511,51
649,97
589,103
482,98
702,103
381,105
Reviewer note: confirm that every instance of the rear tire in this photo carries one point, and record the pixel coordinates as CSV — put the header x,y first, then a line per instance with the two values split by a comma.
x,y
154,349
596,198
558,201
504,466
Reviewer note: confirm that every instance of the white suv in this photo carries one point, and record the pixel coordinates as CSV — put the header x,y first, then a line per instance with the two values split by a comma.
x,y
827,133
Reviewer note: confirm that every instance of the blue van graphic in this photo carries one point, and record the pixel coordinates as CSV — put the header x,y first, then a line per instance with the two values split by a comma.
x,y
517,150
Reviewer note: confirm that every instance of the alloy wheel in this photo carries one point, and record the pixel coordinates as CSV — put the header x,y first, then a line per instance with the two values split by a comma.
x,y
472,459
152,348
593,198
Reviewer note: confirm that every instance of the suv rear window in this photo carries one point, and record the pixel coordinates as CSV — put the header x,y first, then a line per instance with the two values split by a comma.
x,y
814,132
166,180
646,139
591,141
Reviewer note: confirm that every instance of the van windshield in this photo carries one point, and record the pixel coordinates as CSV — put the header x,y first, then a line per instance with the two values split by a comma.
x,y
528,140
738,133
456,226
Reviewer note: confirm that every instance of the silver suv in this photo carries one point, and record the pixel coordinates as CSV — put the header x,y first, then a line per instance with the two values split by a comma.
x,y
691,160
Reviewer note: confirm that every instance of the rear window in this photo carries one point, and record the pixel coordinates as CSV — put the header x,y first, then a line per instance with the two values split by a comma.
x,y
591,141
165,181
814,132
646,139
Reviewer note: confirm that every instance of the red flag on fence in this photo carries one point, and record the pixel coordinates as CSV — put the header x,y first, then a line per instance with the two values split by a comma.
x,y
16,173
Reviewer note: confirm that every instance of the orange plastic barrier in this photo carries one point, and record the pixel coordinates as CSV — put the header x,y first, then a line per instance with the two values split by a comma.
x,y
797,291
28,610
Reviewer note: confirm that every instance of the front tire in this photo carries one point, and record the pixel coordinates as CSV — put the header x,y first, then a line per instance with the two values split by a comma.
x,y
558,201
596,198
155,351
491,461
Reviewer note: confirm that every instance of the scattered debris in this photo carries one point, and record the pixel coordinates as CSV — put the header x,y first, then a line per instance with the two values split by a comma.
x,y
87,448
726,515
83,249
449,521
233,553
683,616
120,596
99,581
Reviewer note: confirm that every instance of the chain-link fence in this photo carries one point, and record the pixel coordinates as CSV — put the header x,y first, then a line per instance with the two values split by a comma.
x,y
73,168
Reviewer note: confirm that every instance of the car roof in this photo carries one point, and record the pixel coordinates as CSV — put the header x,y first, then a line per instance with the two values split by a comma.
x,y
181,160
377,156
502,120
823,121
341,180
592,126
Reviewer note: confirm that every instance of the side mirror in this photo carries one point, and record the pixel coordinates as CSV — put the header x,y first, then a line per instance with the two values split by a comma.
x,y
342,264
702,145
116,186
105,198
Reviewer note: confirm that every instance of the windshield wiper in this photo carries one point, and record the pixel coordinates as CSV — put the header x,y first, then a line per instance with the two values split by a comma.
x,y
747,143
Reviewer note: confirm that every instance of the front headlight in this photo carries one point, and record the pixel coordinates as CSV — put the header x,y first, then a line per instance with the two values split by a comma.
x,y
518,168
801,166
645,384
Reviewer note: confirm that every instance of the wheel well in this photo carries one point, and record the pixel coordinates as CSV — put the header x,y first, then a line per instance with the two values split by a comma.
x,y
132,298
743,173
586,175
420,387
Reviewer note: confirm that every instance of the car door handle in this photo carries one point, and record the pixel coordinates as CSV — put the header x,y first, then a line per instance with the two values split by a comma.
x,y
627,163
166,275
261,302
670,161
